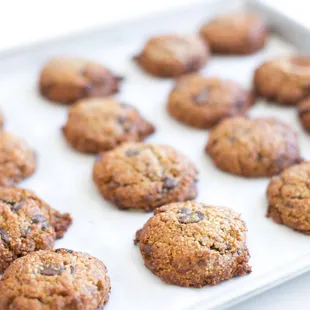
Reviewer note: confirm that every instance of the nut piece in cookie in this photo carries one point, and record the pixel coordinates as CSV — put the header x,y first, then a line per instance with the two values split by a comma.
x,y
17,159
66,80
202,102
304,113
235,33
27,224
145,176
289,198
258,147
99,124
61,279
285,80
192,244
173,55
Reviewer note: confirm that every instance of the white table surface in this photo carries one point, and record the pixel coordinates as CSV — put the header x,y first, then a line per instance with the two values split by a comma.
x,y
29,22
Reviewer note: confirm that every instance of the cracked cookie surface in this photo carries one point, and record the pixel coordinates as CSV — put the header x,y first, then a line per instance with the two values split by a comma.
x,y
192,244
27,224
60,279
285,80
253,147
145,176
98,124
289,198
203,102
236,33
173,55
66,80
17,160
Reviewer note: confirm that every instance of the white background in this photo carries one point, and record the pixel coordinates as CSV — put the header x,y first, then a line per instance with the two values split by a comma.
x,y
25,22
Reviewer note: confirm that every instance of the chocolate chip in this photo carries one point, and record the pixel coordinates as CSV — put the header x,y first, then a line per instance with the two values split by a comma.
x,y
50,271
121,119
132,152
27,231
202,263
72,269
38,219
4,236
169,183
185,211
190,218
63,250
15,206
202,97
148,249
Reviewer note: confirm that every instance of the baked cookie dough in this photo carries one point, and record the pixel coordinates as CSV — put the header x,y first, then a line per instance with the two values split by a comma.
x,y
289,198
203,102
60,279
99,124
235,33
27,224
192,244
66,80
17,159
145,176
173,55
284,80
304,113
258,147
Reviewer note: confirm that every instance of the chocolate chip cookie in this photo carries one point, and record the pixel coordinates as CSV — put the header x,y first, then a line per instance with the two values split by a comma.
x,y
66,80
99,124
235,33
284,80
17,160
27,224
193,244
289,198
145,176
202,102
304,113
173,55
60,279
258,147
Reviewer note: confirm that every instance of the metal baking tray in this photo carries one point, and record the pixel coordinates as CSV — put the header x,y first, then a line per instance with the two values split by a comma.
x,y
63,177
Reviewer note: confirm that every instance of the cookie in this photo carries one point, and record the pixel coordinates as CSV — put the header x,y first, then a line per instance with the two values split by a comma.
x,y
284,80
145,176
60,279
192,244
203,102
173,55
258,147
288,197
304,113
235,33
99,124
17,160
66,80
27,224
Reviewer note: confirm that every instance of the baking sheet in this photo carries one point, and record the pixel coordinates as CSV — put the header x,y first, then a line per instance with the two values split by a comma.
x,y
63,177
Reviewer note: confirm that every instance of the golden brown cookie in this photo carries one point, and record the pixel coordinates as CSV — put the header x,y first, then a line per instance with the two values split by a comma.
x,y
17,160
58,280
258,147
27,224
192,244
235,33
99,124
289,198
203,102
66,80
285,80
145,176
173,55
304,113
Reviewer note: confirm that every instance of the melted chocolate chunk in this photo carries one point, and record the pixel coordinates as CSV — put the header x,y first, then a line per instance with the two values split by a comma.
x,y
51,271
190,218
169,184
4,236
